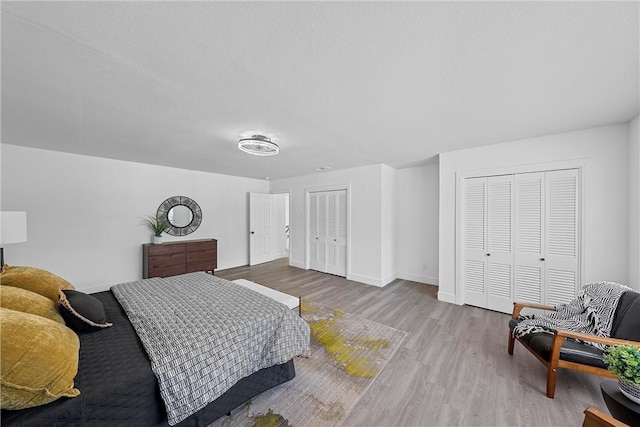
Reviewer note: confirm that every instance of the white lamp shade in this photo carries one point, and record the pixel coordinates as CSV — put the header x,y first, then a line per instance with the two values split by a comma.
x,y
13,227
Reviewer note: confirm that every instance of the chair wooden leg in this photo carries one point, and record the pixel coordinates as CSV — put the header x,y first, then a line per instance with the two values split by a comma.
x,y
552,375
512,342
552,365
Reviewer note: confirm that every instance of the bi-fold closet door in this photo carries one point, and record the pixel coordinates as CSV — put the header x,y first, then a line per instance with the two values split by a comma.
x,y
521,239
328,232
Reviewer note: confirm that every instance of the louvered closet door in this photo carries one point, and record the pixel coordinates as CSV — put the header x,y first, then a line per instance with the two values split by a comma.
x,y
561,237
317,249
521,239
475,247
328,232
337,233
530,210
488,240
547,236
500,243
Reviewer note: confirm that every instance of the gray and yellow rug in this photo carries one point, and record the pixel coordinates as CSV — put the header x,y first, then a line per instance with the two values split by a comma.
x,y
347,354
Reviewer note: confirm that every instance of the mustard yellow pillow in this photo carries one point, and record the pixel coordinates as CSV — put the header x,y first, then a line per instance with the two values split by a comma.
x,y
35,280
39,360
29,302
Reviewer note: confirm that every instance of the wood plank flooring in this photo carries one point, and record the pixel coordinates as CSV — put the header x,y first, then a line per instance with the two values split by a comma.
x,y
452,370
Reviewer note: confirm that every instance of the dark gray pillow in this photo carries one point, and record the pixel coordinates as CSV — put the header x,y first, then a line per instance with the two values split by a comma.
x,y
82,312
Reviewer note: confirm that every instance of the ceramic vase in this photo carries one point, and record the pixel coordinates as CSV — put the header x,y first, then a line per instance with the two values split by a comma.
x,y
157,240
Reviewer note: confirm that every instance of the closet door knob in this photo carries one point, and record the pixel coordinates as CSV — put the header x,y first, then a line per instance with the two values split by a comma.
x,y
488,254
541,259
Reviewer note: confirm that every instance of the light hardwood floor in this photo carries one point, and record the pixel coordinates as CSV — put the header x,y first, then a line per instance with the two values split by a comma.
x,y
453,368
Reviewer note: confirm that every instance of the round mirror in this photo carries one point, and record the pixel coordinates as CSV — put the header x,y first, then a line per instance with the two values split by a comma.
x,y
182,214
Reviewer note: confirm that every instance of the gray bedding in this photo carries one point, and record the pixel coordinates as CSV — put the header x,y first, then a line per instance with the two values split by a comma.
x,y
203,334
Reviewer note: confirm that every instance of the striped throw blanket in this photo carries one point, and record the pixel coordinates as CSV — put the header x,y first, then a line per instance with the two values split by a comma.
x,y
591,313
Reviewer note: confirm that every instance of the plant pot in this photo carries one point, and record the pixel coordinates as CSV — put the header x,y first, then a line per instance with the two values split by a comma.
x,y
630,389
157,240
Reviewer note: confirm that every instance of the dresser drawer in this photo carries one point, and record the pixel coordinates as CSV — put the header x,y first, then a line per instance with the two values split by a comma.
x,y
166,249
198,256
201,246
169,259
167,270
201,260
201,266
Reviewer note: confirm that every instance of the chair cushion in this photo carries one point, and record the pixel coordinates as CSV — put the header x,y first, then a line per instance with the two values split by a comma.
x,y
626,322
571,351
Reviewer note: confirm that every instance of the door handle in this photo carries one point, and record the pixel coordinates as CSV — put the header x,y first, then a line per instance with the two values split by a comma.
x,y
253,232
488,254
541,259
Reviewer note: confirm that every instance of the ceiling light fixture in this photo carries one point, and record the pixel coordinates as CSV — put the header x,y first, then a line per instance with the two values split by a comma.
x,y
259,145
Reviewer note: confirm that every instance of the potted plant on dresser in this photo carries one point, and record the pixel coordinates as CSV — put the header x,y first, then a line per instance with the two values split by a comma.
x,y
157,227
624,361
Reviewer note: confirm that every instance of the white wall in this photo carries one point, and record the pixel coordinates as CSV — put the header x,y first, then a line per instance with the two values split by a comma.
x,y
84,213
279,208
603,150
388,226
417,224
367,238
634,203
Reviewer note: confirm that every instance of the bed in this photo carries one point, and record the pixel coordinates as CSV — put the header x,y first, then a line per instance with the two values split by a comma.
x,y
115,374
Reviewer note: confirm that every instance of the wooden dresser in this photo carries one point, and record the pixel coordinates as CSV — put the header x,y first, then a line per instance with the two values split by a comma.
x,y
172,258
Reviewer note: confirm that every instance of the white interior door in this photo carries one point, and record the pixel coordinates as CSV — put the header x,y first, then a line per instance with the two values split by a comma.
x,y
260,229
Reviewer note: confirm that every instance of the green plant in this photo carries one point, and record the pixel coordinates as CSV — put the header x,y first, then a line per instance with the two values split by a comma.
x,y
624,361
155,224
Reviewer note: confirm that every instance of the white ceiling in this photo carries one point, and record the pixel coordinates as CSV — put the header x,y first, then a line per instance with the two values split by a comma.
x,y
338,84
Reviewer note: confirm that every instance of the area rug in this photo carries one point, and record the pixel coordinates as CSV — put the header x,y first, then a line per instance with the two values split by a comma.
x,y
347,354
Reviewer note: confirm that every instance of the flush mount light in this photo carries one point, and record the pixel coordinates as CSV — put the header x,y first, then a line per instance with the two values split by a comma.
x,y
258,145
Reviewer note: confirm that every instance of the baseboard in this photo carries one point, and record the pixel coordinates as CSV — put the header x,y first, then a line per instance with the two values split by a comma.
x,y
447,297
297,264
390,278
429,280
366,280
380,283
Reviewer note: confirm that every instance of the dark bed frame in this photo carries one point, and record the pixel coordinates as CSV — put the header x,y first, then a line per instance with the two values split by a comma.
x,y
118,386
